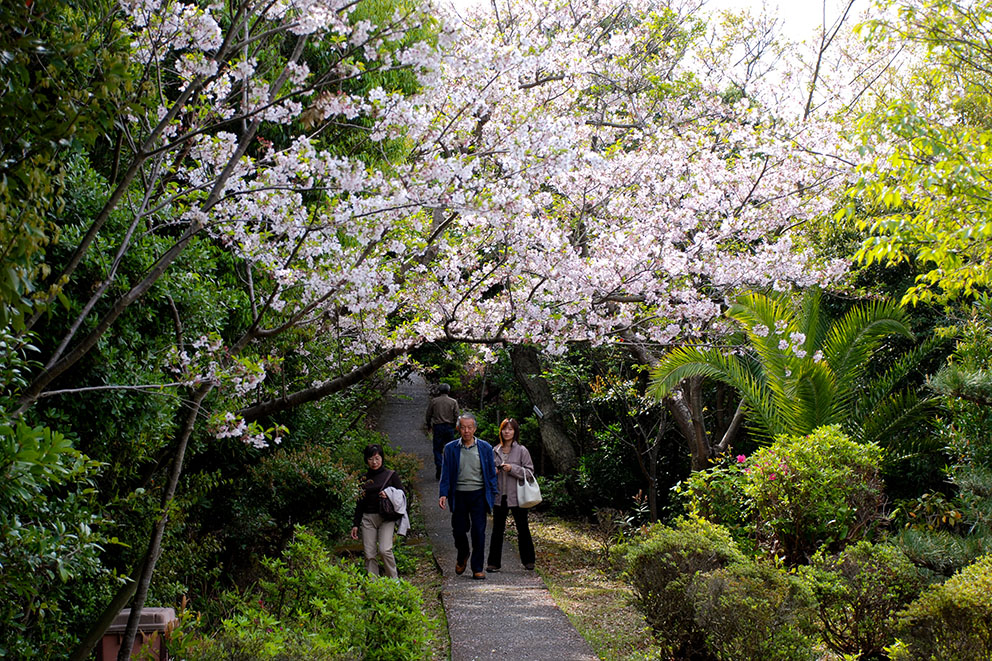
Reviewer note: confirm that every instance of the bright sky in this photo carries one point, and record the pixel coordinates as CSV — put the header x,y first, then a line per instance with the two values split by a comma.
x,y
799,17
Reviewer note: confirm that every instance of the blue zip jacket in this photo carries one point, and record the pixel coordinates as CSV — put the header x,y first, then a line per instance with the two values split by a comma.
x,y
450,459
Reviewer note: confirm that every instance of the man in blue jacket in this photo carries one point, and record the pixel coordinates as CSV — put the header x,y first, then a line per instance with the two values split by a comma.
x,y
468,484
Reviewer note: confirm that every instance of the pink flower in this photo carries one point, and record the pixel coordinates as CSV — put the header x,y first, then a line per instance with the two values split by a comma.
x,y
771,476
741,458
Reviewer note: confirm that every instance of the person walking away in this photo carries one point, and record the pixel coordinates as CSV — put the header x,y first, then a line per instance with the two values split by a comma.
x,y
442,413
375,530
512,463
468,486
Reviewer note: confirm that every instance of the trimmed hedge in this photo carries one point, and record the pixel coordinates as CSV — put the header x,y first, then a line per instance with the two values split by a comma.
x,y
859,593
949,621
662,566
753,610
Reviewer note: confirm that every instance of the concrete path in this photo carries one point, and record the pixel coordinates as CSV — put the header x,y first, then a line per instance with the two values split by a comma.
x,y
508,616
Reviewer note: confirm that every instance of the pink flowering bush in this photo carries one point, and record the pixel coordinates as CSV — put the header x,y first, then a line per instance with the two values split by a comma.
x,y
717,495
814,491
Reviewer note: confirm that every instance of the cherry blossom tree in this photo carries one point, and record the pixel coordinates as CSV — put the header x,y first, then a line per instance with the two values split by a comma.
x,y
214,80
663,166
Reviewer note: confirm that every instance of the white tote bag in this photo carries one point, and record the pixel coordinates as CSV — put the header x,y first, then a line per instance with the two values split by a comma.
x,y
528,491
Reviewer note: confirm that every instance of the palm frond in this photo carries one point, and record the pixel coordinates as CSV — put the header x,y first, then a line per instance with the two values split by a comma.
x,y
878,389
815,397
854,337
742,374
900,424
812,321
685,362
754,311
785,389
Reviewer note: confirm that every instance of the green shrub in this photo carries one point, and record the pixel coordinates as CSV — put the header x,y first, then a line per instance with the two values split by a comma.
x,y
859,593
405,464
310,606
189,562
949,621
717,494
817,490
397,628
303,486
50,540
662,565
948,531
943,551
557,493
752,610
611,463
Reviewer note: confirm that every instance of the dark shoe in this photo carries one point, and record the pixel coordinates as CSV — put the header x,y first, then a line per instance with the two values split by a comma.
x,y
529,565
460,566
479,575
491,568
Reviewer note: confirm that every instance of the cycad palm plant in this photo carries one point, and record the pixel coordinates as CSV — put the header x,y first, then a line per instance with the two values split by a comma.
x,y
798,370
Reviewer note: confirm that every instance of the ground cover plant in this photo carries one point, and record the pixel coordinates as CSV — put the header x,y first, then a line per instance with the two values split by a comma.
x,y
306,605
586,586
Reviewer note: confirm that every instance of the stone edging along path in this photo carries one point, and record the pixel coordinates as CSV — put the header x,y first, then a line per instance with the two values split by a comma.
x,y
510,615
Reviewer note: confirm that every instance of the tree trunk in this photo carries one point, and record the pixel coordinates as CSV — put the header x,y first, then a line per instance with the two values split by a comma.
x,y
685,405
651,459
90,640
686,408
554,438
155,545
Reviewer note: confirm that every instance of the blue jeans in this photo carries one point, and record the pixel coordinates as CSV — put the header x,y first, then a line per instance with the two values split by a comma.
x,y
443,434
469,515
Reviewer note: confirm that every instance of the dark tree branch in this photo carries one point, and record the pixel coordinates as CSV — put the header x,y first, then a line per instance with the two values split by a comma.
x,y
314,393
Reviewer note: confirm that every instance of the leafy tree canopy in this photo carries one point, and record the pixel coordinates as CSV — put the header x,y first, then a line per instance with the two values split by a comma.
x,y
923,192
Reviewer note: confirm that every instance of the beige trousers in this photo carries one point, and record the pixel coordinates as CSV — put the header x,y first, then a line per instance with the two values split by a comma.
x,y
376,531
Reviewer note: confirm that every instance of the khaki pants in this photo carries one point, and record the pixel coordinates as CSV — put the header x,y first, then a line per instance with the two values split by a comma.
x,y
376,531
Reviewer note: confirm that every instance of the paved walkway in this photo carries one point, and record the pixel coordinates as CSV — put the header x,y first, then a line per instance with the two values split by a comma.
x,y
510,615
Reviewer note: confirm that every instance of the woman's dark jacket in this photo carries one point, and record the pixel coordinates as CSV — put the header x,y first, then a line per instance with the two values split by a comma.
x,y
375,481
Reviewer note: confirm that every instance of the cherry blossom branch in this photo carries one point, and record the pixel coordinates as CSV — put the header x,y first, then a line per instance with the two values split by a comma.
x,y
312,394
825,42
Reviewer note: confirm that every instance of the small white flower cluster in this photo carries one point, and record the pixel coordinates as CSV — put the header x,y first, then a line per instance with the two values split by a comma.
x,y
229,425
797,340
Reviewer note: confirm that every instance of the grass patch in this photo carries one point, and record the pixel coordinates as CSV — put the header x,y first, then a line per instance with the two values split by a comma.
x,y
571,559
416,564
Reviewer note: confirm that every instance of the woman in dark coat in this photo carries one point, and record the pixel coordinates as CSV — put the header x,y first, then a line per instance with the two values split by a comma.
x,y
375,530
